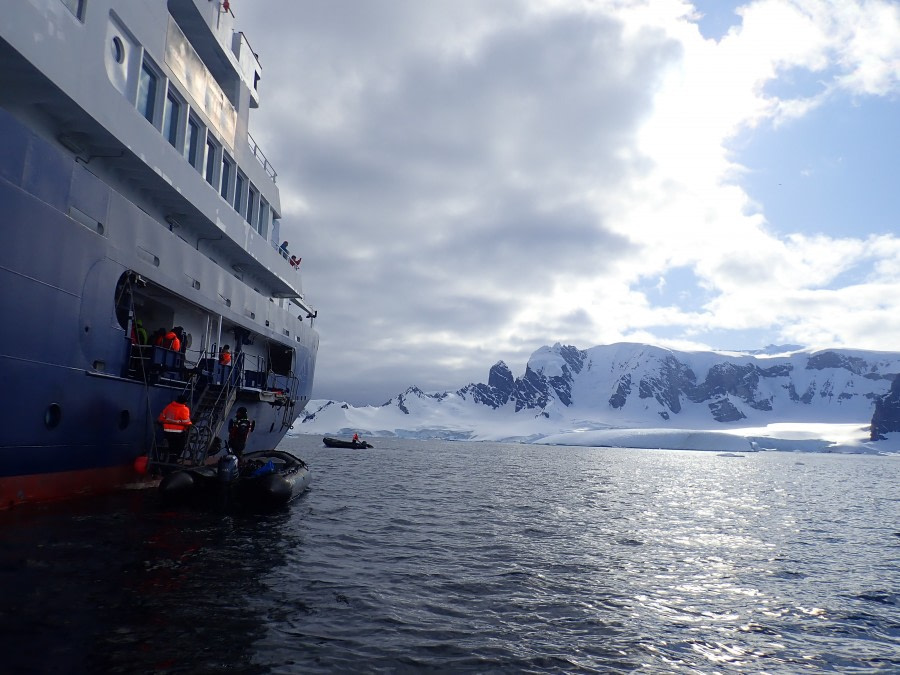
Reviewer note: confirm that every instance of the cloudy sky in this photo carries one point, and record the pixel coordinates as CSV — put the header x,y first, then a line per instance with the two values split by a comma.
x,y
468,180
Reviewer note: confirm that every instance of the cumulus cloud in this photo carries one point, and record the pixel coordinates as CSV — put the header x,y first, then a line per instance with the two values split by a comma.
x,y
467,181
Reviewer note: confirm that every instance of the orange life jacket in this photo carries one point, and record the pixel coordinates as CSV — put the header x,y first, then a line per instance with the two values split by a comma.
x,y
169,341
175,417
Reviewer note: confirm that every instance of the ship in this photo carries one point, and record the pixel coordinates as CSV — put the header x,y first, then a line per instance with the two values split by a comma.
x,y
135,205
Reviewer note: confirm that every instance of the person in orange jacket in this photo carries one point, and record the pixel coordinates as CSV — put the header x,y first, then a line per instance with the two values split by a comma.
x,y
176,420
169,341
225,356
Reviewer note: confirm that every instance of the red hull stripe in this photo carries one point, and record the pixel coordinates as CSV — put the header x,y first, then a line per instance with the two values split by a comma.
x,y
47,487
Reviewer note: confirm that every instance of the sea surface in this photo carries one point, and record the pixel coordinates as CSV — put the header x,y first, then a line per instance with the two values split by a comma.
x,y
450,557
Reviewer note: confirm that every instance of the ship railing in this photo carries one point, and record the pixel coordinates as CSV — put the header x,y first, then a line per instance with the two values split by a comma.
x,y
255,373
289,385
261,158
153,363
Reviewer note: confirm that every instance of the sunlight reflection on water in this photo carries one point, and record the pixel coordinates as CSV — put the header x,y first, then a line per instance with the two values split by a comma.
x,y
674,557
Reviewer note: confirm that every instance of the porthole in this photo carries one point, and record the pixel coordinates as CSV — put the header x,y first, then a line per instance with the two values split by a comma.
x,y
118,49
53,416
124,419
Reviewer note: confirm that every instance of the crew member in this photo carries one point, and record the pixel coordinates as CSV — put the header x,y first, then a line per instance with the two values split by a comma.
x,y
138,333
239,429
225,356
157,337
176,420
169,341
181,334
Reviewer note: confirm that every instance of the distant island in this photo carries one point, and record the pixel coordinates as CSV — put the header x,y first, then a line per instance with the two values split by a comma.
x,y
637,395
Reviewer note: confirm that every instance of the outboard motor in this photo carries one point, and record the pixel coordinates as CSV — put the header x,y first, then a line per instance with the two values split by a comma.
x,y
227,469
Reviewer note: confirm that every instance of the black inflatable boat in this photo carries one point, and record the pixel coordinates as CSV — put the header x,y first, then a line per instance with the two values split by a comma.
x,y
338,443
261,481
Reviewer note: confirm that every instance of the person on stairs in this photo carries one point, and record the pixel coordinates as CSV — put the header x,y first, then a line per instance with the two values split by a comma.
x,y
176,421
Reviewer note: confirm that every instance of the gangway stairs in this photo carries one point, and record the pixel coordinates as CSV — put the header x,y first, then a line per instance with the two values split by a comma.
x,y
211,410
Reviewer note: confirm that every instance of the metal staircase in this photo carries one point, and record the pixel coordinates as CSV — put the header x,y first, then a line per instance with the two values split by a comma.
x,y
211,410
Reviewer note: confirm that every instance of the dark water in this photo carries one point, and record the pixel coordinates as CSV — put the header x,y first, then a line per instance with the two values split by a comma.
x,y
462,557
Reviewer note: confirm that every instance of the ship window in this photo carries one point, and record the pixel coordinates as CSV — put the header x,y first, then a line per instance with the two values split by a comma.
x,y
53,416
146,102
239,182
263,225
192,145
118,50
76,7
212,161
251,204
171,118
227,171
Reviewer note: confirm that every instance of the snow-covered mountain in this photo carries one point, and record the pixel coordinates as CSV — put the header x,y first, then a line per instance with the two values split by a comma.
x,y
567,390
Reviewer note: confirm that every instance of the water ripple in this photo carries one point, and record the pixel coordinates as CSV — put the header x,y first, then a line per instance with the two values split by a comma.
x,y
460,557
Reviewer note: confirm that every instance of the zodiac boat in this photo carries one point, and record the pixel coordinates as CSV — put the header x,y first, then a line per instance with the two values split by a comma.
x,y
339,443
263,481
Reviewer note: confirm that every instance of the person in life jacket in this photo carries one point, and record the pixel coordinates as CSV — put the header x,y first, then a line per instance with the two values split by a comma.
x,y
138,333
356,439
176,420
169,341
239,428
225,356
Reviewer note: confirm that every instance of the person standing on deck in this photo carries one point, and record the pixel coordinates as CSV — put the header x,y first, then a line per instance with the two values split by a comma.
x,y
176,420
169,341
138,333
225,356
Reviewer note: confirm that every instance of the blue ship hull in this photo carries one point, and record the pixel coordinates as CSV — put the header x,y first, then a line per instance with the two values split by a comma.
x,y
75,416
